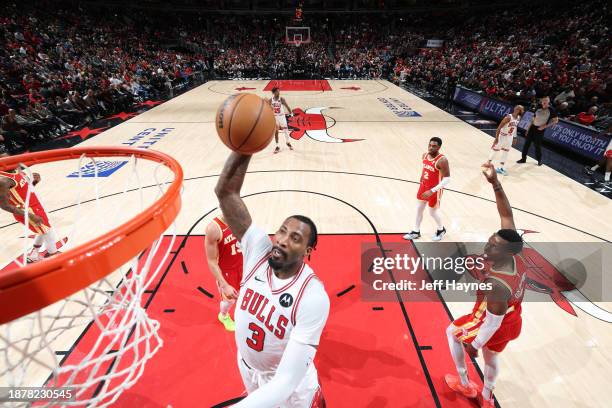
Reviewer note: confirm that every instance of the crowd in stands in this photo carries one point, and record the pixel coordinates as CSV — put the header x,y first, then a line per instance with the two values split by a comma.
x,y
67,67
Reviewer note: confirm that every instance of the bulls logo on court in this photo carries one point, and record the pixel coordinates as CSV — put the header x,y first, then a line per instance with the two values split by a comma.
x,y
544,277
286,300
314,124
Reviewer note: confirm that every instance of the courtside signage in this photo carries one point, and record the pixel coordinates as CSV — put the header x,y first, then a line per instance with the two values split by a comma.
x,y
399,108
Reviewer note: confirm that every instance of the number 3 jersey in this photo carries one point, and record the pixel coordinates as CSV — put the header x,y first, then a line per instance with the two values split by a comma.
x,y
270,311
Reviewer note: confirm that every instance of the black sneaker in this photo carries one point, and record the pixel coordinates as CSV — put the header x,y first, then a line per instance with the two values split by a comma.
x,y
523,160
539,162
588,170
439,234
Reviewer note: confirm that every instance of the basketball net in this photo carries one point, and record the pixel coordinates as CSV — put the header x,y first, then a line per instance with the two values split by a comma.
x,y
95,341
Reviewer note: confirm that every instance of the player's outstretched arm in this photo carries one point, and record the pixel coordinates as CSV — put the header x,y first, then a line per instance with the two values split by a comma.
x,y
503,205
290,372
227,190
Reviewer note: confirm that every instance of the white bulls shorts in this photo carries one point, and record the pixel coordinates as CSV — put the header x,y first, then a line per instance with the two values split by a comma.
x,y
307,394
281,121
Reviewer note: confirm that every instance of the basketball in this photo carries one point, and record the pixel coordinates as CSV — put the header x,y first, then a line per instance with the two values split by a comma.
x,y
245,123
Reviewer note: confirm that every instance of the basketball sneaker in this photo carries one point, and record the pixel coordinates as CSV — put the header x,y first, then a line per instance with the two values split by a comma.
x,y
34,255
588,170
483,403
501,171
277,149
439,234
412,235
290,147
227,322
454,383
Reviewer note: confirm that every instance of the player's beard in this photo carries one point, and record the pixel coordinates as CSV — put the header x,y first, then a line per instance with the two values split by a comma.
x,y
275,264
279,262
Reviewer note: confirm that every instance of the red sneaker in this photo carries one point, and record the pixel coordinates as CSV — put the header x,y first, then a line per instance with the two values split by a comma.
x,y
454,383
483,403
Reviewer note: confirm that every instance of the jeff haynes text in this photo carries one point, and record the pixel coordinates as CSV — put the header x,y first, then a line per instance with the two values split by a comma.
x,y
435,285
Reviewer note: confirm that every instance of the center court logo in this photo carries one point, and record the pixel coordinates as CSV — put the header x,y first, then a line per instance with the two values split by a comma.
x,y
314,124
102,169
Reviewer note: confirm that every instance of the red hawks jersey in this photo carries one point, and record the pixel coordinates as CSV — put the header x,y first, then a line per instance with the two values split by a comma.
x,y
515,281
509,129
277,107
230,253
430,177
18,194
271,311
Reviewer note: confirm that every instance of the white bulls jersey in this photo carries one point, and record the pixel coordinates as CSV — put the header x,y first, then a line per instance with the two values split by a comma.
x,y
270,311
277,107
509,128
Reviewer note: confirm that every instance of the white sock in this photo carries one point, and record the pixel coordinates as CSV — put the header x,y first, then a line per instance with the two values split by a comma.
x,y
492,155
504,156
595,167
458,354
436,216
491,371
50,241
38,240
419,215
226,306
607,176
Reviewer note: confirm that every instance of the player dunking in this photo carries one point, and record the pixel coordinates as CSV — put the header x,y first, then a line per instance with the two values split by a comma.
x,y
435,176
277,102
282,306
225,263
505,137
14,188
496,317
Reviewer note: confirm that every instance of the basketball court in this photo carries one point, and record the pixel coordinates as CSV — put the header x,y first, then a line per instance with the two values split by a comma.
x,y
355,171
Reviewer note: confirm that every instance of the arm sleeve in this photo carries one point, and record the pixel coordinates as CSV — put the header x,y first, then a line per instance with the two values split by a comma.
x,y
290,372
443,183
488,329
311,314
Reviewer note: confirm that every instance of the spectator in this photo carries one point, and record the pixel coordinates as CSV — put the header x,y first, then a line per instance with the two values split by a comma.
x,y
587,118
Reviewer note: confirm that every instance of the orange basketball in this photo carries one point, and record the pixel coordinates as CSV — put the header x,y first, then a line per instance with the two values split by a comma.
x,y
245,123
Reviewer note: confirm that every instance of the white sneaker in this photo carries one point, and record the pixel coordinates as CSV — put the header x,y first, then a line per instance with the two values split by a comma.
x,y
439,234
412,235
33,256
502,171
